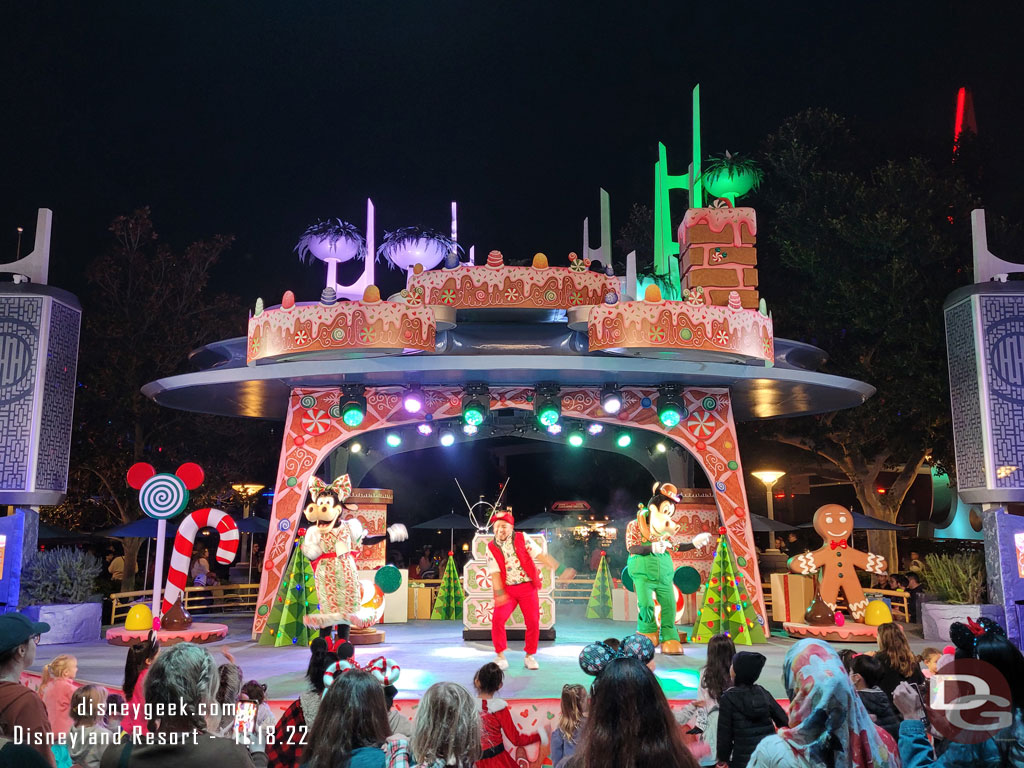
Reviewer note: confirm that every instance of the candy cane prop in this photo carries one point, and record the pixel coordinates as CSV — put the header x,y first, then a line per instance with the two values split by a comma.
x,y
184,542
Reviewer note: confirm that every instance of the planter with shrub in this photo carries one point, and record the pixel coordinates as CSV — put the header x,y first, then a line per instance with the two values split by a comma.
x,y
58,586
958,581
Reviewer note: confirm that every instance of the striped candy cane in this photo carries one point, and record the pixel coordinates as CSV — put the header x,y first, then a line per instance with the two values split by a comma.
x,y
184,542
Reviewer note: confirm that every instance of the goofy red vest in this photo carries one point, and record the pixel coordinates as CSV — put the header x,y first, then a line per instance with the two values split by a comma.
x,y
512,565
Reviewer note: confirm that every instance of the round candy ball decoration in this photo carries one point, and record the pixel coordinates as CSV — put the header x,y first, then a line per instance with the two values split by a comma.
x,y
388,578
307,401
315,422
163,496
709,403
687,579
877,613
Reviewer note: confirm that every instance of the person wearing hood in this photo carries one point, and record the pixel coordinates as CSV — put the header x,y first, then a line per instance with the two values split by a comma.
x,y
746,712
20,706
828,725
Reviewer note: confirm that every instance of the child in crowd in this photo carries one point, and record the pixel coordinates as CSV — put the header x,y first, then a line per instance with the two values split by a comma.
x,y
714,680
287,748
865,672
56,687
495,719
570,724
747,713
140,657
89,737
257,691
399,724
115,705
929,658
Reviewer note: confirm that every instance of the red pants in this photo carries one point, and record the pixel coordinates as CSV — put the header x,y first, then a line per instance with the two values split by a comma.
x,y
526,597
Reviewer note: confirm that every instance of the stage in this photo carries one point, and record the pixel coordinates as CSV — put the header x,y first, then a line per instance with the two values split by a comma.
x,y
431,651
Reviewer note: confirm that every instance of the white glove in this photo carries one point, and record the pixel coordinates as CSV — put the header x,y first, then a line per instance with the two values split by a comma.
x,y
701,540
311,543
398,532
659,547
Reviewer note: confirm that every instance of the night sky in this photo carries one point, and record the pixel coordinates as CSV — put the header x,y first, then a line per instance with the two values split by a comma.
x,y
257,118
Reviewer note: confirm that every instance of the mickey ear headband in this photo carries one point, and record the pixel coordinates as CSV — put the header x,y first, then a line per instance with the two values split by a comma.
x,y
965,636
596,656
384,670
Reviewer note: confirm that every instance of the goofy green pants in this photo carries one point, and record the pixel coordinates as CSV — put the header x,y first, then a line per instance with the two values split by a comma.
x,y
652,579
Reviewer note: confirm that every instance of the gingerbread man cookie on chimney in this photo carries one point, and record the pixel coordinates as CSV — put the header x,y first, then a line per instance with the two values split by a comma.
x,y
838,560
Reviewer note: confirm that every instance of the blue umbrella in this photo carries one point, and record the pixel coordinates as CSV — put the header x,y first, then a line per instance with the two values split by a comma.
x,y
253,525
143,528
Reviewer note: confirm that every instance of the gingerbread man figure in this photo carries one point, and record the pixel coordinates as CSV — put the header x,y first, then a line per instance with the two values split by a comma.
x,y
835,526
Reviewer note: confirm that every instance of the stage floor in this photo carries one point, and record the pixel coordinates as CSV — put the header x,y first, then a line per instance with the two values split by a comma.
x,y
432,651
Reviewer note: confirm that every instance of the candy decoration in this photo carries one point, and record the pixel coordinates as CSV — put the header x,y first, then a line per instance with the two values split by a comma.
x,y
338,668
734,300
701,424
328,296
495,259
163,496
652,293
388,578
139,474
315,421
385,670
184,542
259,307
288,300
540,261
371,295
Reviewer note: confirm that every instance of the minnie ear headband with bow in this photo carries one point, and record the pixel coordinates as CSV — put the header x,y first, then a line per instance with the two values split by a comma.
x,y
596,656
383,669
965,636
341,487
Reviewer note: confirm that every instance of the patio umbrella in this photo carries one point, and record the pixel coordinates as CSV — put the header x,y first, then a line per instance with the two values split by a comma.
x,y
53,532
540,522
450,522
762,524
143,528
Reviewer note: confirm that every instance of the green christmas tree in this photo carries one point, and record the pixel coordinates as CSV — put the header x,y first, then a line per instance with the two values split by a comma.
x,y
296,595
727,606
600,604
448,604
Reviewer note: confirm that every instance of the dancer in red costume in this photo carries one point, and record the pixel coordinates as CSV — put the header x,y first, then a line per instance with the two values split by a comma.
x,y
511,563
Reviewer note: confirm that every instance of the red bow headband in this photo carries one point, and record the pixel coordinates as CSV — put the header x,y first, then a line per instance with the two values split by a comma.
x,y
341,487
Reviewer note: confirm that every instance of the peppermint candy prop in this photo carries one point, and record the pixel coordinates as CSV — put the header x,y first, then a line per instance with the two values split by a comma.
x,y
162,496
184,543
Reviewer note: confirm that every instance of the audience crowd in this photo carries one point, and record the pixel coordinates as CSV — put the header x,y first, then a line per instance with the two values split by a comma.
x,y
843,709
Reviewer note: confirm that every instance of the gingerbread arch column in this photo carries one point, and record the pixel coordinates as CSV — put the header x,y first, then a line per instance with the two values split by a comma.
x,y
708,432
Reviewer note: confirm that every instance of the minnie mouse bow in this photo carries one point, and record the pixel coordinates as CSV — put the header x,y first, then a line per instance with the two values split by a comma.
x,y
596,656
965,636
342,487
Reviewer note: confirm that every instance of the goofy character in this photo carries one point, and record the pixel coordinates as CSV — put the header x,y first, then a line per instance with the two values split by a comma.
x,y
330,544
648,541
511,563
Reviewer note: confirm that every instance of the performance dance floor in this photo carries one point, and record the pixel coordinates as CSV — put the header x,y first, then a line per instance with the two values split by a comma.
x,y
432,651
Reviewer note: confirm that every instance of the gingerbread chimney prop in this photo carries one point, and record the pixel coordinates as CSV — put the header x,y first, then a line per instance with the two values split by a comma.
x,y
720,250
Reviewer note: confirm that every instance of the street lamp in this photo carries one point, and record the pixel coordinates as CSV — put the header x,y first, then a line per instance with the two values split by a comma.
x,y
770,477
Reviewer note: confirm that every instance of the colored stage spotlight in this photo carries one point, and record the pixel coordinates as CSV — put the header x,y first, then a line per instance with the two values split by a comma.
x,y
470,429
575,438
393,439
548,404
670,407
425,429
473,411
353,410
555,429
447,438
623,439
595,428
413,400
611,400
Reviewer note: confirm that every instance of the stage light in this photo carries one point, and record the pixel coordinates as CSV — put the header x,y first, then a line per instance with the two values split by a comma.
x,y
623,439
575,438
670,407
555,429
393,439
353,410
470,429
595,428
425,429
548,404
473,412
447,438
660,448
356,447
611,400
413,400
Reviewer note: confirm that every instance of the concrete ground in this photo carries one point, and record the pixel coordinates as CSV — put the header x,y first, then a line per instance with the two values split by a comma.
x,y
430,651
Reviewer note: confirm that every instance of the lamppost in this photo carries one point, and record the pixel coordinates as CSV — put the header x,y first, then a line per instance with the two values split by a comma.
x,y
247,491
770,477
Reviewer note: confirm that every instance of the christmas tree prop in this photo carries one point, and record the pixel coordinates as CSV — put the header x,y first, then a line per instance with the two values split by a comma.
x,y
600,604
448,604
296,594
727,607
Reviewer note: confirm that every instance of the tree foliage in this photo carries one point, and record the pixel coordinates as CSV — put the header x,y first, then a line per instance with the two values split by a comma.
x,y
146,307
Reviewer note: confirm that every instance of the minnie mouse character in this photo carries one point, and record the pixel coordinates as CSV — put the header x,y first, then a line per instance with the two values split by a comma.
x,y
330,544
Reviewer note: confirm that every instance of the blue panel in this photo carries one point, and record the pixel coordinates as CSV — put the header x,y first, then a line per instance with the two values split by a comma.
x,y
13,528
20,319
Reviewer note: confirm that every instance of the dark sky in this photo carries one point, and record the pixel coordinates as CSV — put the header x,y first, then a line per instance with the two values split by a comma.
x,y
257,118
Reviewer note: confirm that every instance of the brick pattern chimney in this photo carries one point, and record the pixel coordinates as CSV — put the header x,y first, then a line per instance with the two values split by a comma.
x,y
720,253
